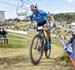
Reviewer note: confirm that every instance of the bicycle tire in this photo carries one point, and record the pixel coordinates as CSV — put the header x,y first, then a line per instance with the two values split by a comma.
x,y
31,57
48,52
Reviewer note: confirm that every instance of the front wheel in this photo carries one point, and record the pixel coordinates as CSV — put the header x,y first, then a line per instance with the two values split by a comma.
x,y
36,50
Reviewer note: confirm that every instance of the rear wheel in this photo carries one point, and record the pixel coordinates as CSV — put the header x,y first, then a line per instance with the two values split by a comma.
x,y
48,51
36,50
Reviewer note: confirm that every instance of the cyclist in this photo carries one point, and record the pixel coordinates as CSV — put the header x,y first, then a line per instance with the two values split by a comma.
x,y
40,17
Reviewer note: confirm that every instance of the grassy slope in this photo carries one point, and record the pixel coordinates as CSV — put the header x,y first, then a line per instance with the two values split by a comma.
x,y
18,40
26,38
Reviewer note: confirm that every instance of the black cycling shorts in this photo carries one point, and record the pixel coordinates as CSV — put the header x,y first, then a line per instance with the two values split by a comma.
x,y
41,24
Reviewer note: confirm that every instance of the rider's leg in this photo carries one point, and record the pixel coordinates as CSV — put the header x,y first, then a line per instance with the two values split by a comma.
x,y
48,34
47,31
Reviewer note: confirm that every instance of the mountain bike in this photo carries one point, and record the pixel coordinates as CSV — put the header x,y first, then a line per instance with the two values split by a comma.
x,y
38,45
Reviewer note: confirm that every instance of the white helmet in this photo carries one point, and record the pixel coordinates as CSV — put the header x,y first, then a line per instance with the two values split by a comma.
x,y
34,7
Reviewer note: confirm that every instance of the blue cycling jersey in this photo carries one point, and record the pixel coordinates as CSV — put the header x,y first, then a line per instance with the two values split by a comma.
x,y
39,17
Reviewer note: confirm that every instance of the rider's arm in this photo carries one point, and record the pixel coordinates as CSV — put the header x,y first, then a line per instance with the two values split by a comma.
x,y
52,19
31,20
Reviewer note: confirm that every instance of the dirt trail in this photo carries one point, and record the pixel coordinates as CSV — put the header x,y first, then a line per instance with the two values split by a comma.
x,y
18,59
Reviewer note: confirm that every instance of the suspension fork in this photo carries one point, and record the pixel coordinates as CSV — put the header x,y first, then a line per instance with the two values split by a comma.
x,y
45,39
38,42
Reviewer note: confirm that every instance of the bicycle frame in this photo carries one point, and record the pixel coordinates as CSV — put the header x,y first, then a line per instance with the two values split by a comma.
x,y
42,32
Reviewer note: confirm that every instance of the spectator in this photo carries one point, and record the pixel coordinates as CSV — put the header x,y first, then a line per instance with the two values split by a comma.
x,y
4,35
0,35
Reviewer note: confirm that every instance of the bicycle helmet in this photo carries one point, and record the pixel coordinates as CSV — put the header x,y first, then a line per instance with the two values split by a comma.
x,y
34,7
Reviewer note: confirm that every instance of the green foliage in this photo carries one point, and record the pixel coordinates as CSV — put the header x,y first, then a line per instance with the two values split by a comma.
x,y
68,17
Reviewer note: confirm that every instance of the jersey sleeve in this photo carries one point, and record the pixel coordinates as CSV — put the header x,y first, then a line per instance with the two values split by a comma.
x,y
30,17
43,13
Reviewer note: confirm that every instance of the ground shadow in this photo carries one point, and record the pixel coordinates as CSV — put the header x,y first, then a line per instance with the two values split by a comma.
x,y
14,60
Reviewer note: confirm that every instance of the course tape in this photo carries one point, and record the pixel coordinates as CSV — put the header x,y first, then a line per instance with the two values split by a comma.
x,y
16,31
